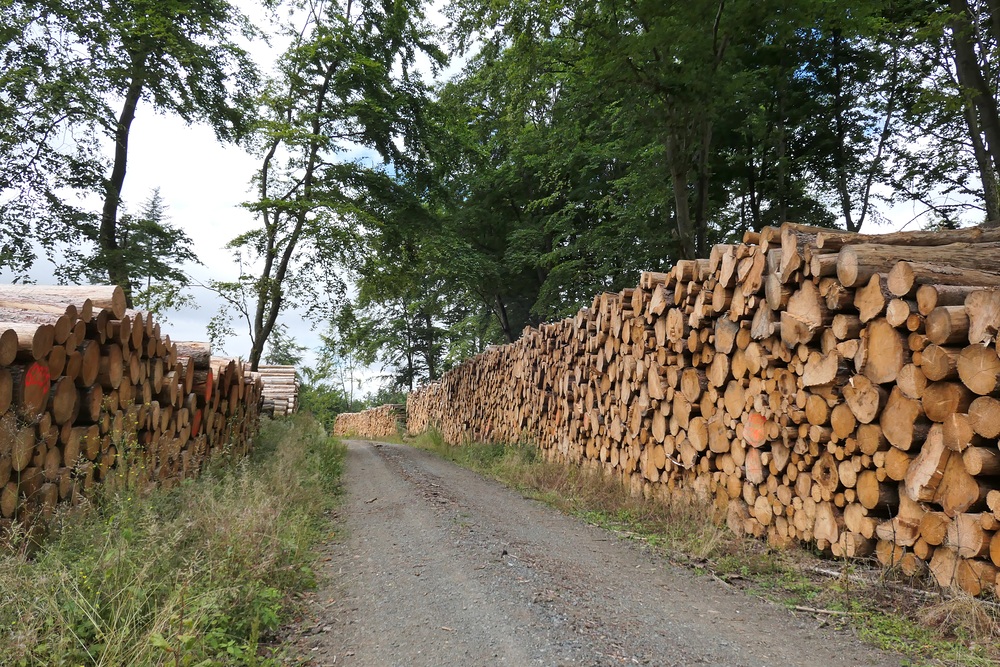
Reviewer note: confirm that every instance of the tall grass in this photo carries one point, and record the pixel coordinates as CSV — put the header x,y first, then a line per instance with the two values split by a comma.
x,y
197,575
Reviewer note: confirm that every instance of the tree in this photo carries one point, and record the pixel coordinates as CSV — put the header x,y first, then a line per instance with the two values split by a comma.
x,y
974,29
49,129
153,252
282,348
346,83
544,185
178,56
328,387
398,321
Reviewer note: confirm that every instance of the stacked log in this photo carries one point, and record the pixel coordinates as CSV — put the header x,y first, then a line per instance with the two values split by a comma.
x,y
281,390
385,421
816,386
92,393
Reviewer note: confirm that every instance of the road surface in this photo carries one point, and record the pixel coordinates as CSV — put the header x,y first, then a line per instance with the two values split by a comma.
x,y
439,567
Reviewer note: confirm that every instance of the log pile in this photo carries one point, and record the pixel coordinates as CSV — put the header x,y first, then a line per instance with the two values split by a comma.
x,y
815,385
92,393
281,390
385,421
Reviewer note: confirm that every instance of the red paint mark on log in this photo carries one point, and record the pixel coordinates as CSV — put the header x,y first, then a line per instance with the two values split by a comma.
x,y
37,376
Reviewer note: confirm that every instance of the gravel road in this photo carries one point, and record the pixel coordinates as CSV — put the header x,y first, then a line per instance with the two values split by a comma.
x,y
439,567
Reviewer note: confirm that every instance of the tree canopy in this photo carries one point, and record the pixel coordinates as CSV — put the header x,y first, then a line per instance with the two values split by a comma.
x,y
73,75
578,143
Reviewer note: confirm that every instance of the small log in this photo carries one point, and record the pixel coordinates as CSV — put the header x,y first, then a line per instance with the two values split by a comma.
x,y
884,352
947,325
965,533
942,399
984,416
979,368
982,461
983,309
871,299
925,473
864,398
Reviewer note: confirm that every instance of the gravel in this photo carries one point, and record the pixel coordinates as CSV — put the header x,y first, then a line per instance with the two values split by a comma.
x,y
439,567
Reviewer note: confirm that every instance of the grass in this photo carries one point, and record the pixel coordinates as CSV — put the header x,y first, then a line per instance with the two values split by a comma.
x,y
201,574
952,629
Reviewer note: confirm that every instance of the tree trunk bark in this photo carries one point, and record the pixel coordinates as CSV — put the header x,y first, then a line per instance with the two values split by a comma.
x,y
780,163
429,353
501,311
701,198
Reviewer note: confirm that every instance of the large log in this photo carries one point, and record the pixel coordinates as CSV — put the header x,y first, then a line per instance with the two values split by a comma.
x,y
111,297
905,276
836,239
34,341
857,263
199,352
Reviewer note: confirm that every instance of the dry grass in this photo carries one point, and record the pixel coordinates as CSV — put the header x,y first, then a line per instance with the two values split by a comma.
x,y
959,614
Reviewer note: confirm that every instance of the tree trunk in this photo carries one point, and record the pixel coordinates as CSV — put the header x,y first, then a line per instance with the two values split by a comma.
x,y
839,157
682,207
756,223
429,356
971,78
108,235
991,196
701,196
501,312
780,163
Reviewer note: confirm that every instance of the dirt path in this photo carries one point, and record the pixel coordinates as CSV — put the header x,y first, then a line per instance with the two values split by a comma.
x,y
441,568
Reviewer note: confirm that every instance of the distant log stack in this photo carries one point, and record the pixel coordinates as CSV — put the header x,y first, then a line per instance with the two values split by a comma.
x,y
92,393
815,385
385,421
281,390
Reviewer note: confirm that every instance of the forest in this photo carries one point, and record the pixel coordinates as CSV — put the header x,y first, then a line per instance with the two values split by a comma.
x,y
434,177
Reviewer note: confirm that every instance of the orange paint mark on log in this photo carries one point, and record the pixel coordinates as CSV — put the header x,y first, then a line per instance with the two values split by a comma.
x,y
755,432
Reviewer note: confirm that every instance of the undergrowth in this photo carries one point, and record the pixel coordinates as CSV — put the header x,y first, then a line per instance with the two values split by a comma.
x,y
950,629
196,575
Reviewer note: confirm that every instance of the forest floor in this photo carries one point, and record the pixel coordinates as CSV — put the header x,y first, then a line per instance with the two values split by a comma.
x,y
438,566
